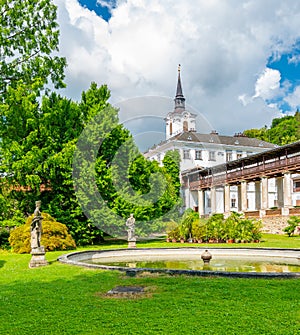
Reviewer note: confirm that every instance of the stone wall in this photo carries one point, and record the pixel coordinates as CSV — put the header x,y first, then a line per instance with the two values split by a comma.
x,y
274,224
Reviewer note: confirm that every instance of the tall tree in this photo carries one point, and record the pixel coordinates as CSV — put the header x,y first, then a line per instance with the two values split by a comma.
x,y
283,130
28,39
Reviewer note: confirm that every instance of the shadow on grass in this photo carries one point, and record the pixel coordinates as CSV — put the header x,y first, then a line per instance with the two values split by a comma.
x,y
2,263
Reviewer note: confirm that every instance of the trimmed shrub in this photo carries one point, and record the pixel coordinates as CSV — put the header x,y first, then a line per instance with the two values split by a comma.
x,y
55,236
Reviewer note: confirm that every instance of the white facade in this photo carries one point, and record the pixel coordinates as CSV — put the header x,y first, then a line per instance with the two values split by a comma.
x,y
178,122
204,151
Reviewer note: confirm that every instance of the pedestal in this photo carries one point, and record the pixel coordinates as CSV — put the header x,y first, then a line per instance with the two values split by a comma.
x,y
132,244
38,257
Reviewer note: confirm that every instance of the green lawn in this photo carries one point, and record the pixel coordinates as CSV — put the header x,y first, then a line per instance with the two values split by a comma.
x,y
267,241
62,299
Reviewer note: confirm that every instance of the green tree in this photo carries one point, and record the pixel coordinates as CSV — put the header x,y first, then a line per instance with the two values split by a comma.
x,y
126,181
37,147
171,164
28,39
256,133
112,178
283,130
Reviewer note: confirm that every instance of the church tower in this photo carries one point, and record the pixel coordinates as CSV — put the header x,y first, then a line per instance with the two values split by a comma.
x,y
179,120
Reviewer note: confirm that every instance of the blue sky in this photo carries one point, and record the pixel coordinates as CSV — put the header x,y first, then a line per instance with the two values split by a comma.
x,y
240,59
289,67
101,8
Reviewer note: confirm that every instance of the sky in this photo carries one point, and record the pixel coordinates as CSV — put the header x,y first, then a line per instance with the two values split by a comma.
x,y
240,59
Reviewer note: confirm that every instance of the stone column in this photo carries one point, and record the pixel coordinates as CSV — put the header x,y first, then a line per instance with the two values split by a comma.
x,y
264,193
287,193
239,197
279,189
227,198
244,205
257,195
213,200
201,203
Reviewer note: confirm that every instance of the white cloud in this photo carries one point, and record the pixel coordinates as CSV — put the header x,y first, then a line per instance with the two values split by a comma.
x,y
106,3
294,59
222,46
293,99
268,84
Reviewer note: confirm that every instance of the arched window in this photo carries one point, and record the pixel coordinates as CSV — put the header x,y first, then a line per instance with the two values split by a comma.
x,y
185,126
171,128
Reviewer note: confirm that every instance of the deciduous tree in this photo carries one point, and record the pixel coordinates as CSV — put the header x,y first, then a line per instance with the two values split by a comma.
x,y
29,36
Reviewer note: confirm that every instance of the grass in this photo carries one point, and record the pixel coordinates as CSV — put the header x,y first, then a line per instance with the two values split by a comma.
x,y
61,299
267,241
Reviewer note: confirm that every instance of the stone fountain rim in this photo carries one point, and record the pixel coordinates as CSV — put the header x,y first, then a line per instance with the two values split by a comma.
x,y
72,259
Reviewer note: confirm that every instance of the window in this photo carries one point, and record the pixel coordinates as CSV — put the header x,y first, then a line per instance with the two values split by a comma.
x,y
228,155
198,154
233,203
208,202
239,154
185,126
212,156
296,186
158,157
186,154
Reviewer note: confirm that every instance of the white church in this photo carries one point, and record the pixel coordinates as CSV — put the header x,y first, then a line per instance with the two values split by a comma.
x,y
198,150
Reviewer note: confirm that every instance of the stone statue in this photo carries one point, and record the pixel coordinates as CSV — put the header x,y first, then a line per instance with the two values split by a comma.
x,y
131,233
36,227
130,224
37,250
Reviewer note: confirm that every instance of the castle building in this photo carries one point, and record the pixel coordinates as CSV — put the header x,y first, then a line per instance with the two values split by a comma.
x,y
199,150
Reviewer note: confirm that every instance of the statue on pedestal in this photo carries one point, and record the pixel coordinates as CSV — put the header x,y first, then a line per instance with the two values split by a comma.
x,y
36,227
131,231
37,250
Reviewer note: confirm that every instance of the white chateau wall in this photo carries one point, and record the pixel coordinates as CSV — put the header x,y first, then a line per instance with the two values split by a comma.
x,y
211,153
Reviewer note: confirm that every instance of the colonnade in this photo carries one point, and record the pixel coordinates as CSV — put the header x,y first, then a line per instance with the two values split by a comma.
x,y
283,188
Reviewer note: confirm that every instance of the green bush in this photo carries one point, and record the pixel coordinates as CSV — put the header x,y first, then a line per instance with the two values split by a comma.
x,y
55,236
186,223
199,230
218,229
4,235
174,234
293,223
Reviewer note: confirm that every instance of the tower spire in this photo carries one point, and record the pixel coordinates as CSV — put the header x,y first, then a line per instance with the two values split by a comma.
x,y
179,98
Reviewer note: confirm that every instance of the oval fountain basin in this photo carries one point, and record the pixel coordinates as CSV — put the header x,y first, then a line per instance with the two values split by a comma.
x,y
258,262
